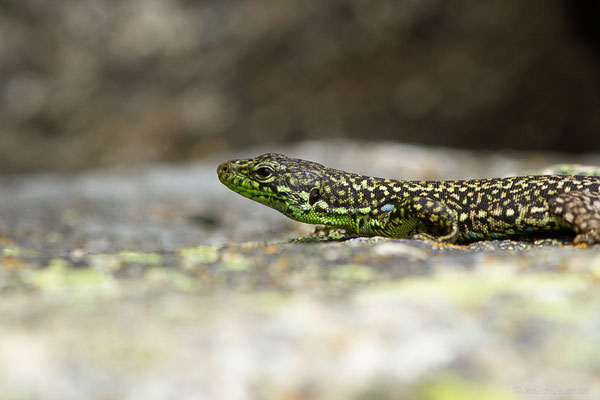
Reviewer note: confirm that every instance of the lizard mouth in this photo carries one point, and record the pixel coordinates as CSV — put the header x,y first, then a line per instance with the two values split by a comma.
x,y
241,183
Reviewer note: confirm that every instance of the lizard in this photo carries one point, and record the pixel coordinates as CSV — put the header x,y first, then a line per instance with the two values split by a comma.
x,y
460,211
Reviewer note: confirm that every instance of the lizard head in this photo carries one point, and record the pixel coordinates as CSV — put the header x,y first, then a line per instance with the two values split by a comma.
x,y
289,185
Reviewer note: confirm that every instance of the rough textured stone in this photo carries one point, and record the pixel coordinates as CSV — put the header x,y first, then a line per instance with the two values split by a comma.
x,y
159,283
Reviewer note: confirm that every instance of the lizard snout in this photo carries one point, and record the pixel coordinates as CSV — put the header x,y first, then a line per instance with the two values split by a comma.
x,y
225,168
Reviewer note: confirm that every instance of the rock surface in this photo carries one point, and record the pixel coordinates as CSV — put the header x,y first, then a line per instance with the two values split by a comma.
x,y
160,283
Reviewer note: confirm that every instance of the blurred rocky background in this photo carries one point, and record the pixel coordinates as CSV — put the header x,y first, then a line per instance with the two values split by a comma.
x,y
157,282
87,83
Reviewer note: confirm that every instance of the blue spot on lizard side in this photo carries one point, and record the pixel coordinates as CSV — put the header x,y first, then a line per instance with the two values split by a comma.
x,y
387,207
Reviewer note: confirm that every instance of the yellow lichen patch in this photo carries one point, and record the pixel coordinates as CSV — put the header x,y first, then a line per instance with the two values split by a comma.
x,y
207,254
104,262
61,278
19,252
195,256
270,300
554,297
595,267
235,262
451,387
576,354
352,273
139,257
53,237
170,277
549,296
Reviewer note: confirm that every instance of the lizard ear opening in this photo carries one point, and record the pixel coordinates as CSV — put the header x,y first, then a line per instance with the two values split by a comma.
x,y
313,196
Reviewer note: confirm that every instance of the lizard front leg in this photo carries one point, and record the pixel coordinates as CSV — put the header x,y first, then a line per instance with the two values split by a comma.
x,y
422,217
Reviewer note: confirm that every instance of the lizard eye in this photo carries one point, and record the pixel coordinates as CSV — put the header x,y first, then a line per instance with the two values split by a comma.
x,y
313,196
263,172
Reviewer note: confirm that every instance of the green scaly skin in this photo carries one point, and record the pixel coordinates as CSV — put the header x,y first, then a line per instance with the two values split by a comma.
x,y
445,211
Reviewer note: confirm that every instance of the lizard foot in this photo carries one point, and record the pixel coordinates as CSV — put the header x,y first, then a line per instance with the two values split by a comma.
x,y
326,234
